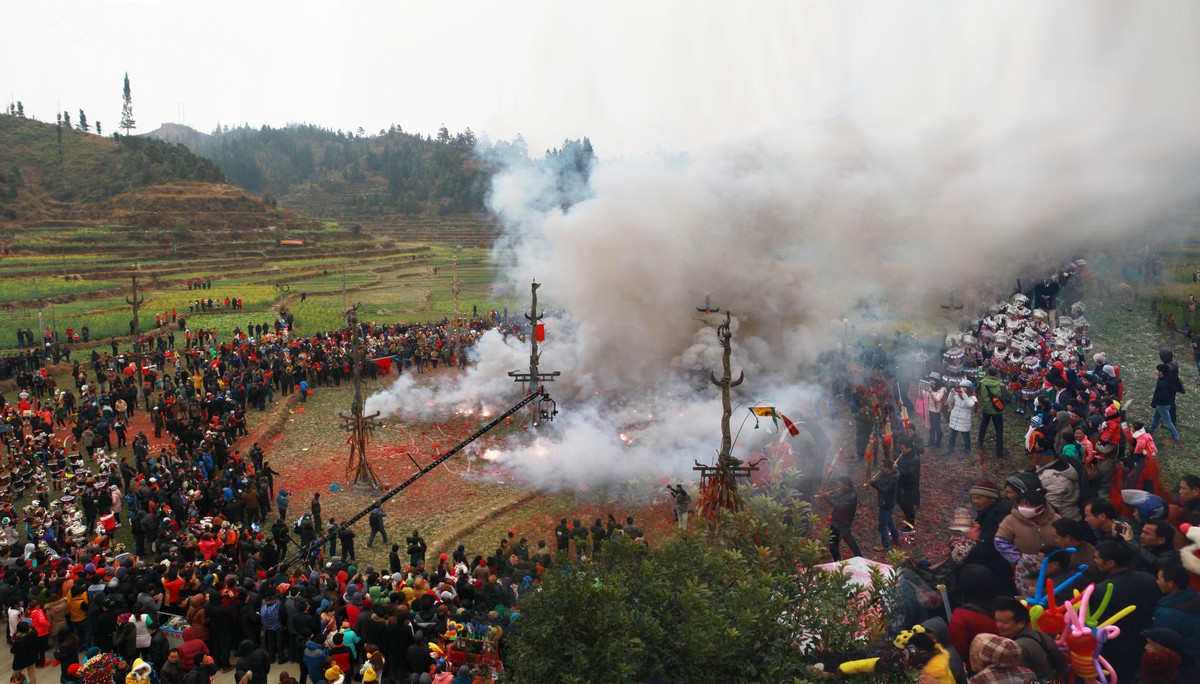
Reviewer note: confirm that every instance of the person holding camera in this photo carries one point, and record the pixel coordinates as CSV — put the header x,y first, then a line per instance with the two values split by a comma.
x,y
962,408
416,549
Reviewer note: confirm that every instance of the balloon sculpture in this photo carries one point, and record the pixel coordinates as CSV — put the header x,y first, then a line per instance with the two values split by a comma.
x,y
1080,635
1083,638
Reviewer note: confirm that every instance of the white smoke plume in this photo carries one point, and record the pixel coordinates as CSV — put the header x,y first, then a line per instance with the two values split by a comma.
x,y
931,152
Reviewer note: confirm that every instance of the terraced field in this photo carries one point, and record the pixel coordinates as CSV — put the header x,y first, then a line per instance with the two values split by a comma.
x,y
81,275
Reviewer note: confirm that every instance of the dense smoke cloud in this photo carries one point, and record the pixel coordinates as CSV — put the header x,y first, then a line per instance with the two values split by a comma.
x,y
937,152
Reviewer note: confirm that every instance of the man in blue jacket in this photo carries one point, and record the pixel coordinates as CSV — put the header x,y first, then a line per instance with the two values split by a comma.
x,y
314,662
1179,608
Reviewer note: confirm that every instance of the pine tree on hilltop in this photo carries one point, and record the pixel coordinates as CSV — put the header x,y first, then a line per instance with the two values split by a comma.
x,y
83,122
127,121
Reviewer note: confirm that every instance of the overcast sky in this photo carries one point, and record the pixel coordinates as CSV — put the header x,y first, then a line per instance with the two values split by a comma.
x,y
633,76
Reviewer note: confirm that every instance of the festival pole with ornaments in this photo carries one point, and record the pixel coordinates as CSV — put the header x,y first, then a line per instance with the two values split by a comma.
x,y
360,427
718,482
534,377
136,302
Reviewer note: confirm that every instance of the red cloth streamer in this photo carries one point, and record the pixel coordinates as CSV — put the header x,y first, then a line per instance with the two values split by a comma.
x,y
541,332
791,427
384,364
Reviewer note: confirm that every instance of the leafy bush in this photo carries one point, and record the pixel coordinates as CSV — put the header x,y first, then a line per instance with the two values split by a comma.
x,y
741,603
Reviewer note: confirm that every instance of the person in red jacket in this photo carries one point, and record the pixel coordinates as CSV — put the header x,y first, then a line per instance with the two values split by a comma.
x,y
974,616
1108,449
341,654
190,647
41,627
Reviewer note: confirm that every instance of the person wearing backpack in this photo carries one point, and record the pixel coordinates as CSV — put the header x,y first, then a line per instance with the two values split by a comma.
x,y
1038,650
994,398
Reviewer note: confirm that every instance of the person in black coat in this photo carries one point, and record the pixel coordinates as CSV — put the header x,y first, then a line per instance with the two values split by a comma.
x,y
156,653
844,502
26,654
373,630
220,621
1130,588
394,564
990,510
908,493
253,660
1162,401
418,655
401,635
885,484
346,537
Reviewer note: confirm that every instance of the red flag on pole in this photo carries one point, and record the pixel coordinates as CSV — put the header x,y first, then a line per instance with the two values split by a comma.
x,y
541,332
384,364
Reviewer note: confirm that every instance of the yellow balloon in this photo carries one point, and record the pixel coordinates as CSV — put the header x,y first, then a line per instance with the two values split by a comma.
x,y
1120,614
864,666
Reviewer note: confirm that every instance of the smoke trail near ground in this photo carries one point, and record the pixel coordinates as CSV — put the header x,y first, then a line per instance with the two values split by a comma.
x,y
929,153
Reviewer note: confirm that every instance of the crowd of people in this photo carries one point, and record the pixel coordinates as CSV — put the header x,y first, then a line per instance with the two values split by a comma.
x,y
1086,508
214,543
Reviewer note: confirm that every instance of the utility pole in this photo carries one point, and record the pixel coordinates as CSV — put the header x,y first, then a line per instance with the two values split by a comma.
x,y
533,377
455,289
135,301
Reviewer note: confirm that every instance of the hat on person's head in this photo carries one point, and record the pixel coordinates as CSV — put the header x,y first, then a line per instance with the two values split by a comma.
x,y
1109,371
1110,411
1099,357
92,652
1149,506
965,384
1058,407
962,520
1036,421
1160,666
985,488
1167,638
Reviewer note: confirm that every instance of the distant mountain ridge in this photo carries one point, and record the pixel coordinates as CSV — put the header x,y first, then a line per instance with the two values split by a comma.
x,y
376,181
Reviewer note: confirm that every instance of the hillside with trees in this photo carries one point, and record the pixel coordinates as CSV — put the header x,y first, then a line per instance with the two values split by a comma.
x,y
376,181
48,163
